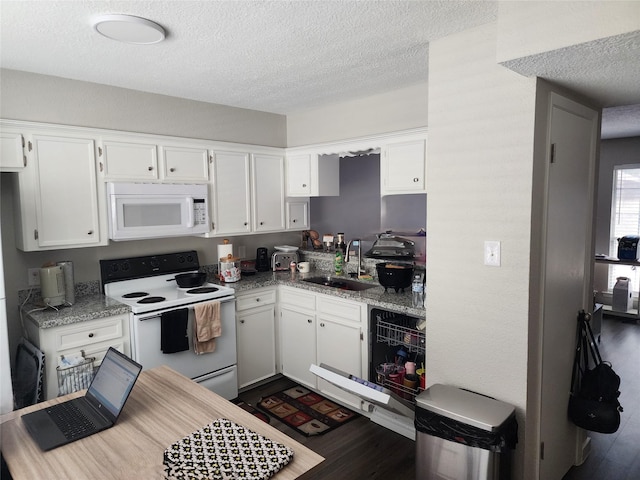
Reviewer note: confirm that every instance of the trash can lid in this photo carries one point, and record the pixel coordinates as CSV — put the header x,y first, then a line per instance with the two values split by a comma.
x,y
465,406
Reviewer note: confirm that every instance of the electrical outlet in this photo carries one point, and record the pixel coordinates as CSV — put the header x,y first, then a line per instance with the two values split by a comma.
x,y
34,277
492,253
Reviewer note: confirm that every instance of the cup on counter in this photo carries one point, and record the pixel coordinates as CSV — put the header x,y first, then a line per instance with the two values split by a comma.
x,y
304,267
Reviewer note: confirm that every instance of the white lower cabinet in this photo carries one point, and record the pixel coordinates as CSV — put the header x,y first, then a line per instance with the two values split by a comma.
x,y
317,328
256,336
298,345
93,337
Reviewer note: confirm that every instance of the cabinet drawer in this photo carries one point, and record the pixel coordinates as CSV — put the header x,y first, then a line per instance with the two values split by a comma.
x,y
339,308
83,334
298,298
98,351
257,299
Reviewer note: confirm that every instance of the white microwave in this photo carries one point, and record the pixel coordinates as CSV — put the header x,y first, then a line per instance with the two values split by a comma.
x,y
156,210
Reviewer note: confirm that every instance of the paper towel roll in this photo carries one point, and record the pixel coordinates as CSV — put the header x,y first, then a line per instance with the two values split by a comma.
x,y
224,251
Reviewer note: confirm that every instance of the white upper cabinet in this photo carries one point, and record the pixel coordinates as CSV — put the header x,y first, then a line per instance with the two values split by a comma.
x,y
184,163
403,167
312,175
136,159
128,160
56,199
298,214
268,192
12,157
231,193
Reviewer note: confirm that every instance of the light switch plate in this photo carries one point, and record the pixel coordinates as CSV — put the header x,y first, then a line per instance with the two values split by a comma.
x,y
492,253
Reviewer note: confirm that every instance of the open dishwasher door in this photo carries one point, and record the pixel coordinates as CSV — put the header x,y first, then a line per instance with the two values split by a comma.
x,y
385,407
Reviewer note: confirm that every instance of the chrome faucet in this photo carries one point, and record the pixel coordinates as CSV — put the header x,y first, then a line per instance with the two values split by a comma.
x,y
357,244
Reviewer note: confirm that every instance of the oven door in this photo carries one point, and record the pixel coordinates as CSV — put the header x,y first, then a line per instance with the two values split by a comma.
x,y
145,343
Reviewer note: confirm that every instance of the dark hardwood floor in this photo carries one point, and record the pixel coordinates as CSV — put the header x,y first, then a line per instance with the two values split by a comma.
x,y
359,449
617,456
363,450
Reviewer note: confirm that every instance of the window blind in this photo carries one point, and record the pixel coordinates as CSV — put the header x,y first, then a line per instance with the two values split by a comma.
x,y
625,218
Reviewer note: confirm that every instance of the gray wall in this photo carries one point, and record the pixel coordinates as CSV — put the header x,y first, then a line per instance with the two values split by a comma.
x,y
360,212
42,98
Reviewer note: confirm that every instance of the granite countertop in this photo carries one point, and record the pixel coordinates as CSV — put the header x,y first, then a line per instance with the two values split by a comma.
x,y
91,304
87,307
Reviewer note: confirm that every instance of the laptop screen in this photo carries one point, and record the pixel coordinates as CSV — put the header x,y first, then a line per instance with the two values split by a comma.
x,y
113,383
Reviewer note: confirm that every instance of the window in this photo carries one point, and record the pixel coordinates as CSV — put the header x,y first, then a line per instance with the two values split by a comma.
x,y
625,219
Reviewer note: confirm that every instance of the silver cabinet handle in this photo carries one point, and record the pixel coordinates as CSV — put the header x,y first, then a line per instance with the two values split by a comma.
x,y
309,320
149,168
322,324
172,170
241,321
416,180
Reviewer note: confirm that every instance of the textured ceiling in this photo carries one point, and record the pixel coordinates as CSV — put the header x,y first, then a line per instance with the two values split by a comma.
x,y
276,56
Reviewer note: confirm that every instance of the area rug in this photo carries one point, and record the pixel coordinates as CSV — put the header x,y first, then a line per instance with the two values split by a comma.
x,y
305,411
251,410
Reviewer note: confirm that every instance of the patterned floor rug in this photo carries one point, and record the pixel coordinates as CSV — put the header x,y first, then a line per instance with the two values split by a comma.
x,y
305,411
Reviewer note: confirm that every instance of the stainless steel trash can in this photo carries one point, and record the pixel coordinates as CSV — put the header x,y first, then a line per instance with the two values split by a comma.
x,y
463,435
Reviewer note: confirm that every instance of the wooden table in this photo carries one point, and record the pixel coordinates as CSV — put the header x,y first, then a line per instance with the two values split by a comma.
x,y
164,406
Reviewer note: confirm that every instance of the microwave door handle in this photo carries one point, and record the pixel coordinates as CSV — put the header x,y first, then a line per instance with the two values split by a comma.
x,y
190,219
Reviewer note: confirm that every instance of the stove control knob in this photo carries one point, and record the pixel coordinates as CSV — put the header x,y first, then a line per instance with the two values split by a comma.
x,y
155,263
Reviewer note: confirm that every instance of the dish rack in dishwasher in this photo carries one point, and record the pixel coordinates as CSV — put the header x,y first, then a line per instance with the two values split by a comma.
x,y
74,373
394,334
399,332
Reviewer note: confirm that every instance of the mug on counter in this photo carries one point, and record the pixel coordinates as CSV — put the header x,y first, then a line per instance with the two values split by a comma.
x,y
304,267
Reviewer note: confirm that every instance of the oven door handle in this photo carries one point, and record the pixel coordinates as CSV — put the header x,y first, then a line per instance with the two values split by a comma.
x,y
150,316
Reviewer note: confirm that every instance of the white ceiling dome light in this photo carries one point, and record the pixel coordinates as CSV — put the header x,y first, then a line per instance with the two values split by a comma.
x,y
128,29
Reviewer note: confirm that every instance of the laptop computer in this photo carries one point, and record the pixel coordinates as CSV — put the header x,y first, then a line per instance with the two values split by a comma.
x,y
97,410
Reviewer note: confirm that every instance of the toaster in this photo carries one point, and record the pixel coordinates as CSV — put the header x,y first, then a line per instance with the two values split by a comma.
x,y
282,260
628,247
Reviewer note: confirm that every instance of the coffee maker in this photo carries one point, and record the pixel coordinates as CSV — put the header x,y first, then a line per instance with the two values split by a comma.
x,y
262,260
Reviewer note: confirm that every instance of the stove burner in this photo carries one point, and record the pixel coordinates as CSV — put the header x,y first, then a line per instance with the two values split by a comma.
x,y
152,300
203,290
135,295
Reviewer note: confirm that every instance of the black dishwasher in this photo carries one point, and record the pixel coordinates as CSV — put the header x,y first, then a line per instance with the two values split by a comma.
x,y
396,350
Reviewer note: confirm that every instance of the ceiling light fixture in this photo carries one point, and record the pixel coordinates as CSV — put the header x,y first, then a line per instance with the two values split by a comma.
x,y
129,29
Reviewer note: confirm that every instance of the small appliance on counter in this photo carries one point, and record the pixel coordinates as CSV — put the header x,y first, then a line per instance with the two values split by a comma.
x,y
52,286
628,247
390,247
262,260
283,256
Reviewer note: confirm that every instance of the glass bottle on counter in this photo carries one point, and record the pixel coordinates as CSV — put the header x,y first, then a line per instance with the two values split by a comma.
x,y
417,290
340,244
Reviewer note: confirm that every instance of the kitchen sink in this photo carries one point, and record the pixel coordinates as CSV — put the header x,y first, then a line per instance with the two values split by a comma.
x,y
340,283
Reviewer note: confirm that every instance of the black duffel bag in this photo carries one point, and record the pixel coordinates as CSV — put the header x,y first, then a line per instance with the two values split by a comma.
x,y
593,403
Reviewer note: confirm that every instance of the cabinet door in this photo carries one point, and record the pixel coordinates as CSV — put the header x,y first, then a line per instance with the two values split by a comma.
x,y
12,157
339,346
65,192
298,215
185,164
231,192
128,161
268,193
298,345
256,345
298,168
404,168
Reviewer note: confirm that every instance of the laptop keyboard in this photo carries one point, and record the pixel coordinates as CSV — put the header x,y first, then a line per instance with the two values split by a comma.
x,y
70,420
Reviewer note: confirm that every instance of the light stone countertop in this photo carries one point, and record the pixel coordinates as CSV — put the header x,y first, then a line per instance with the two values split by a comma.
x,y
91,305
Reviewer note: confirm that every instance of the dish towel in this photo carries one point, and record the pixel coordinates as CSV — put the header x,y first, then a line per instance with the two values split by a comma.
x,y
224,450
173,331
206,327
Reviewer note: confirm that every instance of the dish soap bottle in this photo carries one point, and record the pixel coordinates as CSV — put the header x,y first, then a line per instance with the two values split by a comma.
x,y
338,261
